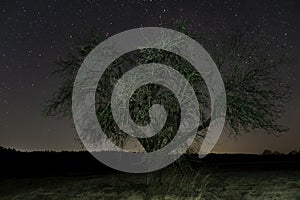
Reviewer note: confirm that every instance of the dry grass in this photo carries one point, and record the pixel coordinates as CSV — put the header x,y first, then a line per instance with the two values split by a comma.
x,y
217,184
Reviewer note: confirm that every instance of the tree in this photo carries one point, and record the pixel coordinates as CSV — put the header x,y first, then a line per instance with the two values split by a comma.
x,y
255,95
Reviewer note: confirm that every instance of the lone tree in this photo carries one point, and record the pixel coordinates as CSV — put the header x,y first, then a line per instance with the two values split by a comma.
x,y
255,95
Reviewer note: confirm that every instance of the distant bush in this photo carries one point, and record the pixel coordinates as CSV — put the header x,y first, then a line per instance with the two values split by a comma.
x,y
294,152
267,152
277,153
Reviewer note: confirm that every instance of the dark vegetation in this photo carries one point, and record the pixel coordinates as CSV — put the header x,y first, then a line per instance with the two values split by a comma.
x,y
68,163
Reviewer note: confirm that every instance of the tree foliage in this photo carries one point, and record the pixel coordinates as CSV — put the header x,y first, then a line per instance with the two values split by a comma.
x,y
255,94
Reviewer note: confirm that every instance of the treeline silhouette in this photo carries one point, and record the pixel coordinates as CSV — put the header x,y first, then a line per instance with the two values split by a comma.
x,y
17,163
70,163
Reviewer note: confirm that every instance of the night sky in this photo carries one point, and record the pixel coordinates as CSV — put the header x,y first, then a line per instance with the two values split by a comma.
x,y
34,34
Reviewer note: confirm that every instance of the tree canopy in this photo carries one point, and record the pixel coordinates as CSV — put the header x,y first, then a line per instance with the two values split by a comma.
x,y
255,94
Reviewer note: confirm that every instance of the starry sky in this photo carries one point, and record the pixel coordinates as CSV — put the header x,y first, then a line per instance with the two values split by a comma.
x,y
35,33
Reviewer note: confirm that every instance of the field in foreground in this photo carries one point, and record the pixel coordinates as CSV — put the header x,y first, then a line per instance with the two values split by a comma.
x,y
79,176
227,184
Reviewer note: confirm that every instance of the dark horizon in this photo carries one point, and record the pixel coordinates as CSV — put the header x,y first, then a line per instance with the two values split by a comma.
x,y
2,148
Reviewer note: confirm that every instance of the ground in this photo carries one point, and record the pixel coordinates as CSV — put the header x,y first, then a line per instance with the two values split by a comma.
x,y
209,184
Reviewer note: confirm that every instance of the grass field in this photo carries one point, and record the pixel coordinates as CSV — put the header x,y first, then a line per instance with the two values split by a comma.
x,y
227,184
